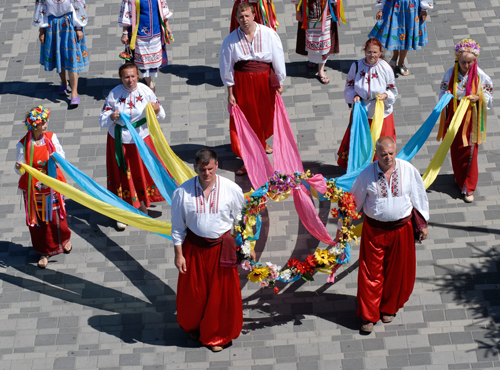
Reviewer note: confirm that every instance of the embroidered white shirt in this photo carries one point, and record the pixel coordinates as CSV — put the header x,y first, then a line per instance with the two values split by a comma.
x,y
370,81
131,102
391,200
207,217
486,84
265,47
44,8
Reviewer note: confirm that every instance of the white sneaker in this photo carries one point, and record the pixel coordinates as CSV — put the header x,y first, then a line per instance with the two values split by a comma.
x,y
469,198
120,225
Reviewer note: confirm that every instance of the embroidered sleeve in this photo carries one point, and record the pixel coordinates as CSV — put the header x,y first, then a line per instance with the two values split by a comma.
x,y
108,108
391,90
166,11
278,58
58,146
349,91
487,85
80,18
427,4
40,18
125,17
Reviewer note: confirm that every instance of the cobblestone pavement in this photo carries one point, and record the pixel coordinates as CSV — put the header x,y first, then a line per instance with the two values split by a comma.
x,y
111,303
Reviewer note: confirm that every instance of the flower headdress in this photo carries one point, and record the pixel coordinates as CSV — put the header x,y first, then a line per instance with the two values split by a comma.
x,y
467,46
37,116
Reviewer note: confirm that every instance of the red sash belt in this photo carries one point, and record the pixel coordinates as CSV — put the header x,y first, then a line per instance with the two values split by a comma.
x,y
252,66
390,225
418,223
228,248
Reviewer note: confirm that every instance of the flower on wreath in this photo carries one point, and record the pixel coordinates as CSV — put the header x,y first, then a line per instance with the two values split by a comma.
x,y
276,290
467,46
304,268
258,274
125,56
286,275
293,262
311,260
263,284
323,257
246,265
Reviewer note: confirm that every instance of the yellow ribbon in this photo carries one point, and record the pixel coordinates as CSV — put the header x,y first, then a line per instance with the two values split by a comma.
x,y
341,11
130,218
436,163
377,121
134,31
179,170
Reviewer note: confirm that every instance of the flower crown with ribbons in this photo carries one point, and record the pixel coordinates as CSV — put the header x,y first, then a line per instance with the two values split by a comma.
x,y
37,116
467,46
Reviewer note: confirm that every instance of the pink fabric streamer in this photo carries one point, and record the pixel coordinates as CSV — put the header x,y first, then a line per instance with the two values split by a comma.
x,y
318,182
254,156
286,154
308,215
331,277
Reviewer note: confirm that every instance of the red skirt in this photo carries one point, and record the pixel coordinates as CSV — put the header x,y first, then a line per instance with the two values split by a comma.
x,y
464,162
136,185
48,239
209,296
386,273
388,129
256,100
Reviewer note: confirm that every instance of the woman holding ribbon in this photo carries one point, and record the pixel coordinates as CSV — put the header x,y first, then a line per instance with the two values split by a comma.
x,y
466,79
127,175
401,27
45,212
146,30
317,35
264,11
62,37
370,79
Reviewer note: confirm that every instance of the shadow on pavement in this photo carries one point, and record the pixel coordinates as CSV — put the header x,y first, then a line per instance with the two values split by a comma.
x,y
474,287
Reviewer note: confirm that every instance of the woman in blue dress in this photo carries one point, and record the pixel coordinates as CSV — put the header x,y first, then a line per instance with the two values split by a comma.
x,y
61,24
401,27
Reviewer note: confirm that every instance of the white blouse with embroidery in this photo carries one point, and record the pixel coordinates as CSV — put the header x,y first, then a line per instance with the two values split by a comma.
x,y
265,47
370,81
206,217
57,8
486,84
390,201
424,4
131,102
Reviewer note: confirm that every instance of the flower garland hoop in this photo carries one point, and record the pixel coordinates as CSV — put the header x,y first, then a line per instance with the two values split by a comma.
x,y
327,261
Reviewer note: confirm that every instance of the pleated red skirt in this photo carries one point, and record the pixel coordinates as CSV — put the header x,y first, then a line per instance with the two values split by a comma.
x,y
136,184
388,129
464,162
48,239
387,268
209,296
256,100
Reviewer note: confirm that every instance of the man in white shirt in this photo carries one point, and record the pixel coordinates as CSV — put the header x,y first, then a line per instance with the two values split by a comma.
x,y
204,209
392,195
252,66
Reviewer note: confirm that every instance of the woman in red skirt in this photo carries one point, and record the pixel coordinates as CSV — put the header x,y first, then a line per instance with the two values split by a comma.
x,y
127,175
45,212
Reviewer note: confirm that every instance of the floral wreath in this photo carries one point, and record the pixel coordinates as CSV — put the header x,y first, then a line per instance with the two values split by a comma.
x,y
467,46
37,116
323,260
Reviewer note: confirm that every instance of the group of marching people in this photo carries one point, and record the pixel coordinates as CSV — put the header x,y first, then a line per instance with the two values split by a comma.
x,y
252,67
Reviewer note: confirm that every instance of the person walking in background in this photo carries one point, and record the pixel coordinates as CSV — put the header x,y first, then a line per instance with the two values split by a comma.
x,y
401,27
62,39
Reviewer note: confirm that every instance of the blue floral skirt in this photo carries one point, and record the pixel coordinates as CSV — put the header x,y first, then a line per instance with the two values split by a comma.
x,y
400,27
61,48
